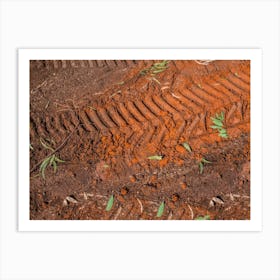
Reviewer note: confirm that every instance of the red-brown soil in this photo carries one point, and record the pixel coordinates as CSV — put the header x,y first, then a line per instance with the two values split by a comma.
x,y
105,118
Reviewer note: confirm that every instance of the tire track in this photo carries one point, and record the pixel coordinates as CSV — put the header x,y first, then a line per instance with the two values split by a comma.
x,y
65,64
181,112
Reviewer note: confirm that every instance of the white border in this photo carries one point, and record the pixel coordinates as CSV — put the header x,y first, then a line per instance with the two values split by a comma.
x,y
255,55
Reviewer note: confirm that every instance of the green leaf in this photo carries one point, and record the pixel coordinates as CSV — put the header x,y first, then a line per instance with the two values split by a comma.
x,y
158,71
206,217
160,210
45,145
200,167
215,126
205,161
52,159
44,163
217,122
54,166
156,157
59,160
43,166
187,147
110,203
223,133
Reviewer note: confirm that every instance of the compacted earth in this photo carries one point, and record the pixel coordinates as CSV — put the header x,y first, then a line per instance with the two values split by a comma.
x,y
139,139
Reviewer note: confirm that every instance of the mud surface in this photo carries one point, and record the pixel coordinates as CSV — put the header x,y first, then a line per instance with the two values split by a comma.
x,y
106,119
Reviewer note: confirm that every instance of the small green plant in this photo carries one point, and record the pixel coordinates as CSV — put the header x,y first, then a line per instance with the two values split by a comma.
x,y
160,209
110,203
156,157
206,217
156,68
218,124
51,160
187,147
201,164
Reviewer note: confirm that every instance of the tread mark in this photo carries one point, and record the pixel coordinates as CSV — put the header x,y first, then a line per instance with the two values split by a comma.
x,y
67,121
176,103
57,127
64,64
127,115
135,112
49,125
226,95
245,75
117,117
135,138
107,120
55,64
148,136
240,110
144,110
232,87
61,123
245,107
86,122
160,135
186,102
189,100
223,88
110,63
239,115
95,119
100,63
74,63
152,106
120,63
245,78
209,96
230,112
180,130
83,63
239,83
194,96
73,118
192,125
92,63
166,107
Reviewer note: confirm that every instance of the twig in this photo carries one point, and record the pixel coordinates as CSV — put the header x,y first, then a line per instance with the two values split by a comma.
x,y
141,205
203,62
175,95
57,149
192,215
170,215
118,213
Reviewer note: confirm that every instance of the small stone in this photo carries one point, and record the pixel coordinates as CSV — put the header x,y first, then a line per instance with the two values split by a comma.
x,y
183,186
175,197
132,179
124,191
